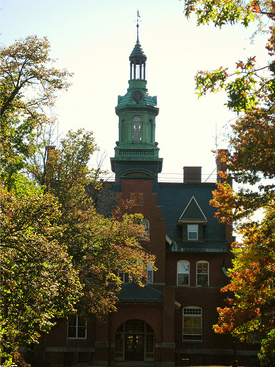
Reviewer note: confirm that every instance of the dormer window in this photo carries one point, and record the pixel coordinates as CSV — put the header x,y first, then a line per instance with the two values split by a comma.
x,y
192,232
192,221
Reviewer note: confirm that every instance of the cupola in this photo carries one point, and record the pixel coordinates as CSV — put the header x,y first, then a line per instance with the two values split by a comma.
x,y
136,150
137,60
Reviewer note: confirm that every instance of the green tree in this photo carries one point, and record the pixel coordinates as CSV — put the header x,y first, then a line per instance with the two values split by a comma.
x,y
28,89
267,355
250,161
56,247
99,246
38,282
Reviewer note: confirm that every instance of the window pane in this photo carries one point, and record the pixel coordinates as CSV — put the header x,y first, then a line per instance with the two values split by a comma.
x,y
183,279
149,343
192,324
202,279
183,273
202,267
202,273
72,321
134,325
192,231
150,276
81,332
183,267
71,332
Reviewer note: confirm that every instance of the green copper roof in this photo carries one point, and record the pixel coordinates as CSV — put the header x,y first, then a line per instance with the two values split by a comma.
x,y
137,56
127,100
140,86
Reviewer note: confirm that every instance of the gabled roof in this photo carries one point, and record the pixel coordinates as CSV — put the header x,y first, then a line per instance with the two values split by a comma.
x,y
133,293
192,213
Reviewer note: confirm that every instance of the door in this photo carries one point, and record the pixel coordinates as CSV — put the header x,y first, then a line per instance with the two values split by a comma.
x,y
134,347
134,341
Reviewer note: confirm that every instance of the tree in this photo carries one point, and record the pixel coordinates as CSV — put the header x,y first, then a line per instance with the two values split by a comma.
x,y
100,246
38,282
28,88
267,355
250,161
56,246
251,313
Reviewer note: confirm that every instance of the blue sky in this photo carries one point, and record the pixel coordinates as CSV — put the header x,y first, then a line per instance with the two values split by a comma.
x,y
94,38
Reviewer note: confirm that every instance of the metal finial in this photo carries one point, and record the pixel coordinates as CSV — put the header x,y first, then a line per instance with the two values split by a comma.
x,y
138,16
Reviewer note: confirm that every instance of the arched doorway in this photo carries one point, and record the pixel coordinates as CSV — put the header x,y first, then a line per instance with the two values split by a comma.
x,y
135,341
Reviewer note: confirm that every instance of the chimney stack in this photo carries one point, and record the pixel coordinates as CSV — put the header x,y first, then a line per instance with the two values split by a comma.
x,y
191,174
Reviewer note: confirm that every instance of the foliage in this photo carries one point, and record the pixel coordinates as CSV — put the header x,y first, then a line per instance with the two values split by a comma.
x,y
252,310
99,246
250,161
225,12
267,355
38,282
56,248
28,88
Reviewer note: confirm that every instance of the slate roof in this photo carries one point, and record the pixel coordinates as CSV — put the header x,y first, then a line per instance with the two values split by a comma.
x,y
133,293
173,199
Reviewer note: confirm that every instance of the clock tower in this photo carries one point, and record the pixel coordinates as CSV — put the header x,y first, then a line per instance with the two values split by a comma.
x,y
136,151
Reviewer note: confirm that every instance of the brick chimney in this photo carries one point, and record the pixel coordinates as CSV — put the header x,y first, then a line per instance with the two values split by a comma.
x,y
191,174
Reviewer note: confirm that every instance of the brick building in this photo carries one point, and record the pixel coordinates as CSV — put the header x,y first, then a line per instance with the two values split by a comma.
x,y
169,321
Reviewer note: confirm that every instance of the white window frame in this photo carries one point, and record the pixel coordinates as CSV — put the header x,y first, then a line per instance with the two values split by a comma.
x,y
192,313
187,264
189,231
76,327
202,273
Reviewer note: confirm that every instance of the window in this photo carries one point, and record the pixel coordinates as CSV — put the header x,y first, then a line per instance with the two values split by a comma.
x,y
202,273
192,230
137,129
146,224
150,274
192,323
77,327
136,198
183,272
124,277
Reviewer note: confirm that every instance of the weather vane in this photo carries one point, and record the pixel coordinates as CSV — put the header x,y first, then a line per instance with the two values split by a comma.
x,y
138,16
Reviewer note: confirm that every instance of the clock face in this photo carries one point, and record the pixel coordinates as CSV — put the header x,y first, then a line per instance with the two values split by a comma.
x,y
137,96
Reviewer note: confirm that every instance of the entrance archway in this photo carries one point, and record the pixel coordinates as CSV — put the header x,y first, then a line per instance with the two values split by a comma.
x,y
135,341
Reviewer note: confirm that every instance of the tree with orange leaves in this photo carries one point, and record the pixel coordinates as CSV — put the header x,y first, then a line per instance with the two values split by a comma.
x,y
250,162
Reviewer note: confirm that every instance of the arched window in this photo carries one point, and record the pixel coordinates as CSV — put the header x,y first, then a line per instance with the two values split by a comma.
x,y
192,323
202,273
183,273
136,129
146,224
